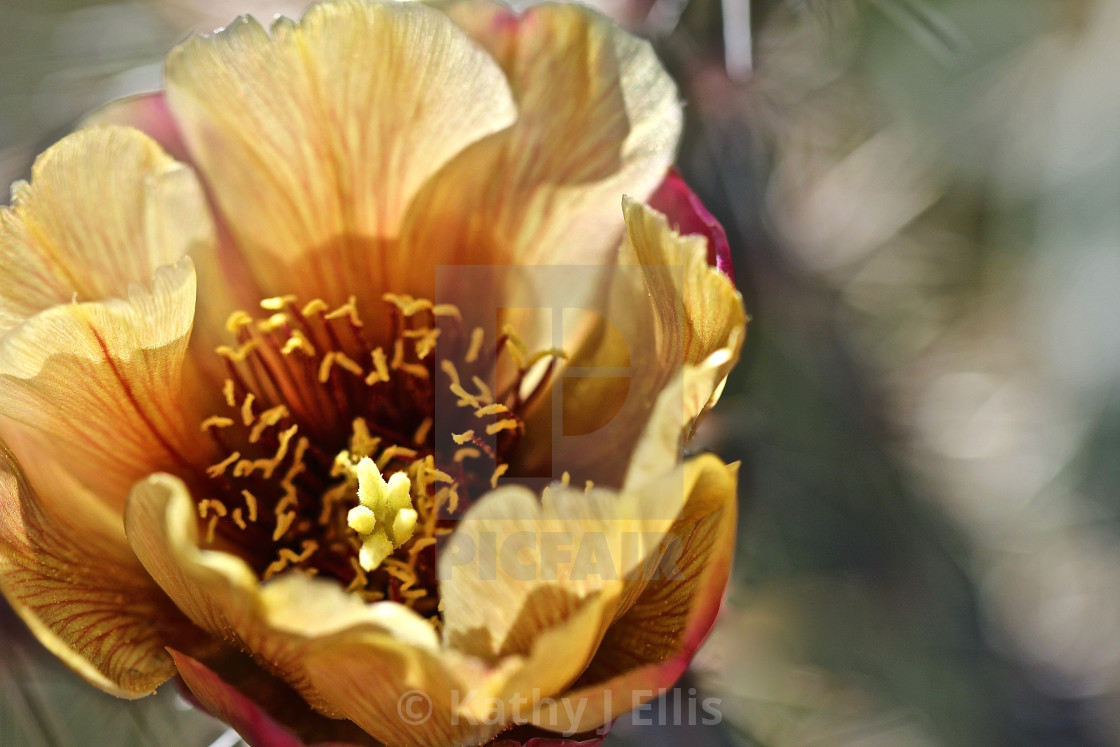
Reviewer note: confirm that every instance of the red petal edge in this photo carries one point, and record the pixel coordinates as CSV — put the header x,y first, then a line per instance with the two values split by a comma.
x,y
215,696
222,701
688,215
550,742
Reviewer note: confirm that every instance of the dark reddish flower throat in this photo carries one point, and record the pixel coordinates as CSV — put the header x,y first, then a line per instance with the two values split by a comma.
x,y
309,395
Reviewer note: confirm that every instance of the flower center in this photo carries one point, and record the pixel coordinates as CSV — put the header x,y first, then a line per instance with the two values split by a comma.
x,y
334,460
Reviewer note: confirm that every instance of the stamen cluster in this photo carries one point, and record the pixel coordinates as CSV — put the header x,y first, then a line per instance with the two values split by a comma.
x,y
332,462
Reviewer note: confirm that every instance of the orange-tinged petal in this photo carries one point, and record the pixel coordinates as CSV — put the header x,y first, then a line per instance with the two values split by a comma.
x,y
518,564
597,117
125,417
276,621
105,208
408,697
670,320
649,646
73,580
315,139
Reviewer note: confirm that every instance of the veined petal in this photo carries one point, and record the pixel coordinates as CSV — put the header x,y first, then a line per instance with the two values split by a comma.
x,y
316,139
518,566
73,580
699,311
125,419
649,646
276,622
404,698
105,208
597,117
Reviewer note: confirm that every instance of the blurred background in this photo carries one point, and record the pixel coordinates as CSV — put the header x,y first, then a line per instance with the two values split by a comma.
x,y
923,198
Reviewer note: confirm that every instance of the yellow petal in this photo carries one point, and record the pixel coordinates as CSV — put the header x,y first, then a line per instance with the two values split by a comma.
x,y
105,208
699,311
276,622
597,117
518,565
314,140
99,382
649,646
408,697
71,577
671,327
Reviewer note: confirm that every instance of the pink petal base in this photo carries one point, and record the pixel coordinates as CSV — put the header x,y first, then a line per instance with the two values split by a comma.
x,y
688,215
208,691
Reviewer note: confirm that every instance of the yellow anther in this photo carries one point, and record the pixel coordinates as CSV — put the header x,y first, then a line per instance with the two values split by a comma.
x,y
509,424
229,391
274,322
501,470
284,521
247,416
276,302
565,479
217,470
267,419
414,369
236,355
477,335
462,438
406,303
425,342
216,421
238,519
268,466
238,320
466,399
422,432
452,373
314,306
206,504
384,517
251,504
348,309
380,366
484,393
340,359
447,309
394,452
298,341
467,452
491,410
362,443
